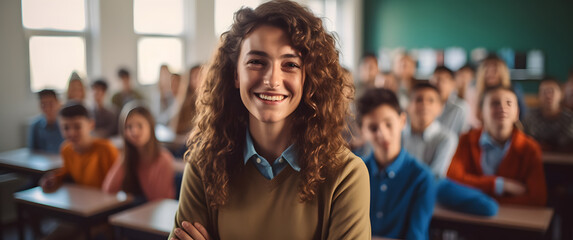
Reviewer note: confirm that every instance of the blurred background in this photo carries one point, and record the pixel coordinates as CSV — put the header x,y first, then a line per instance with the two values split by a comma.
x,y
42,42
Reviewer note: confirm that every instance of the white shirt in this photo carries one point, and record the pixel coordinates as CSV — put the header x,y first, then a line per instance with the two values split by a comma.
x,y
435,146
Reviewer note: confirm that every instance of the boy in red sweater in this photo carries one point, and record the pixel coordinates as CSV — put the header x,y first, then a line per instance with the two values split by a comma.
x,y
500,159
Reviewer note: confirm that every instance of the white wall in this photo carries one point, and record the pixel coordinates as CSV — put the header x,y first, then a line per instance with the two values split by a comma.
x,y
17,103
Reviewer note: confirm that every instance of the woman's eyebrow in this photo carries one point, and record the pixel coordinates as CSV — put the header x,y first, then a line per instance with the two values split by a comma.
x,y
264,54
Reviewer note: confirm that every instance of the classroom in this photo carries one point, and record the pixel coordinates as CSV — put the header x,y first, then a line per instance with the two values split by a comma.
x,y
352,119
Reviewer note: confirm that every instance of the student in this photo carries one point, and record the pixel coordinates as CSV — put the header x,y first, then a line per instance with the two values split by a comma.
x,y
183,120
76,89
44,132
404,70
402,189
267,159
367,72
105,119
127,93
425,137
145,169
500,159
465,79
86,159
493,72
551,125
456,110
434,145
169,105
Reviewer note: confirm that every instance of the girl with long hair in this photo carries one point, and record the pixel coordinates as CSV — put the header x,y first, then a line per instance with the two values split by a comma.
x,y
493,72
145,168
266,158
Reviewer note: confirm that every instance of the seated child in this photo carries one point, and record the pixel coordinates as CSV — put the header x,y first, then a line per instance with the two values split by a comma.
x,y
105,119
86,159
426,138
551,125
44,132
456,110
500,159
434,145
402,189
145,169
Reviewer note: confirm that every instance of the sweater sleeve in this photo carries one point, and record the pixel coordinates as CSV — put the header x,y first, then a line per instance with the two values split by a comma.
x,y
536,193
193,206
351,204
114,178
422,209
461,170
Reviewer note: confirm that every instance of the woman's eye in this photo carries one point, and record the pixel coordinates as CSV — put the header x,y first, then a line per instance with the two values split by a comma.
x,y
255,62
292,65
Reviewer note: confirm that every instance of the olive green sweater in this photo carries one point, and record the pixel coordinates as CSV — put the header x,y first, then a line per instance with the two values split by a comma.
x,y
259,208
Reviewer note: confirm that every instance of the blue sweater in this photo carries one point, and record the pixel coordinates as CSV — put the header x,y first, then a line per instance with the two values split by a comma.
x,y
402,198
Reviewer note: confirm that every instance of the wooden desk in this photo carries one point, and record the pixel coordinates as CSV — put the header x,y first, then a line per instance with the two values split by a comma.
x,y
78,204
153,220
511,221
557,158
29,162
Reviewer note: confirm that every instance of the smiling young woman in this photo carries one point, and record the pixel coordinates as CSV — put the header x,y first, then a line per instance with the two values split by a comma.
x,y
266,156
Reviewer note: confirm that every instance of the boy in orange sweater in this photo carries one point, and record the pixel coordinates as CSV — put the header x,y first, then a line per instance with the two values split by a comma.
x,y
86,159
500,159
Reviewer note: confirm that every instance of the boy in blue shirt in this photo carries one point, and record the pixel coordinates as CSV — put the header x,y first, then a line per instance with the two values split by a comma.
x,y
402,189
44,132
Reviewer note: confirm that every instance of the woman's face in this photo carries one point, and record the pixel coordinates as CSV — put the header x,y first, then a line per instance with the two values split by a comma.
x,y
137,130
492,74
270,75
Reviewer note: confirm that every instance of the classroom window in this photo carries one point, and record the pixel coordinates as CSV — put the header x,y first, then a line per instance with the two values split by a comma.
x,y
56,40
65,15
152,52
161,27
53,59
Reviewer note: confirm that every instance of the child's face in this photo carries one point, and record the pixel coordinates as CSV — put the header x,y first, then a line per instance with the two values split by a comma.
x,y
98,94
269,75
499,110
76,130
50,107
444,82
383,127
550,95
76,91
492,77
425,106
137,130
368,69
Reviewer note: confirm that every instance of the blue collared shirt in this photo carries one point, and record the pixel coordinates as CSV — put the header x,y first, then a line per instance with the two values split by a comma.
x,y
288,157
43,136
491,156
402,197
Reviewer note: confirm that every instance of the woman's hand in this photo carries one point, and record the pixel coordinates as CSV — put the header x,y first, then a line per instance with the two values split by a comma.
x,y
190,231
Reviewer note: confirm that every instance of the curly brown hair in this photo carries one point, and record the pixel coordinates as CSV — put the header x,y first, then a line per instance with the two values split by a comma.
x,y
217,142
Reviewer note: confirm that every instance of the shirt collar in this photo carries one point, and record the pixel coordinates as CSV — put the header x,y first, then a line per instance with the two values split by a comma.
x,y
289,155
486,141
392,169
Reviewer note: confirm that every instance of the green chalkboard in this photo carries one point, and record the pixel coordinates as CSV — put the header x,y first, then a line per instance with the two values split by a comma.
x,y
518,24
